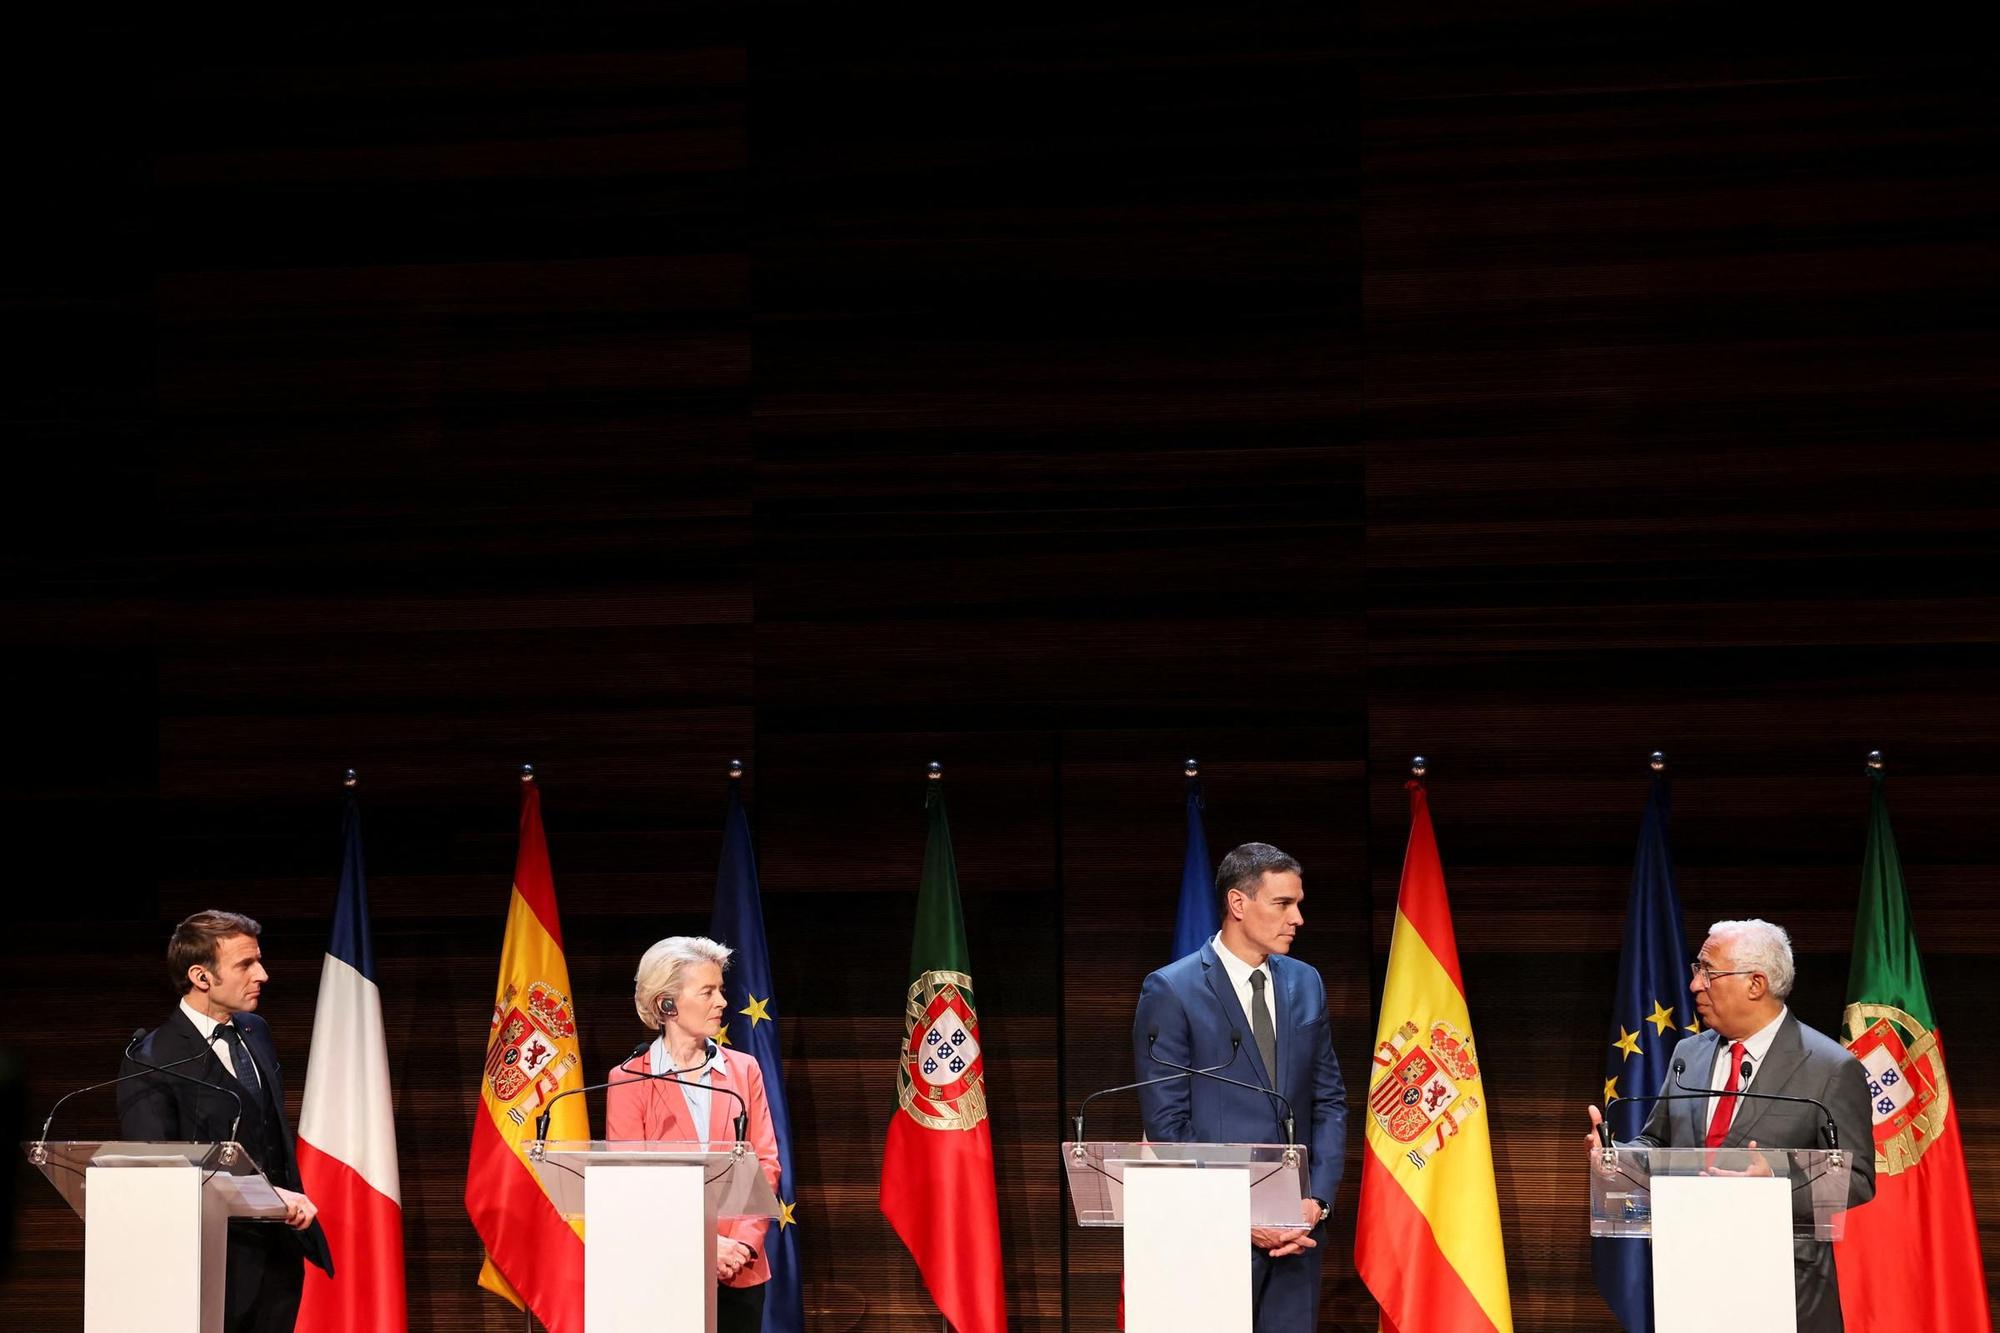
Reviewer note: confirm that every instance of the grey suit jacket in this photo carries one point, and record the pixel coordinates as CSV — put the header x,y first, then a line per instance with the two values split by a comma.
x,y
1800,1063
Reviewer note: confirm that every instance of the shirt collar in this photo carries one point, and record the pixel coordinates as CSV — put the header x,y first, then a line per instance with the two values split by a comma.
x,y
203,1024
661,1061
1238,970
1758,1044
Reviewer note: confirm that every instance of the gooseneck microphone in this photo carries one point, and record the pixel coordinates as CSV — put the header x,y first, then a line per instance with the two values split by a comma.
x,y
1604,1125
1832,1130
217,1087
1153,1035
625,1067
137,1036
1687,1094
1235,1043
542,1120
742,1107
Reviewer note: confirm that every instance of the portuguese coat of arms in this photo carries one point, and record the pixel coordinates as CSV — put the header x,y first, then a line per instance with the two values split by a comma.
x,y
1907,1089
940,1080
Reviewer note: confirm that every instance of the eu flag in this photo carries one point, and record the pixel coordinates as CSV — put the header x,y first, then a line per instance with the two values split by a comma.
x,y
753,1029
1651,1011
1199,917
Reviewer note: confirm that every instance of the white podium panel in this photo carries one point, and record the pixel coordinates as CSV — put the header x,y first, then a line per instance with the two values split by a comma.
x,y
649,1249
142,1253
1722,1250
1187,1250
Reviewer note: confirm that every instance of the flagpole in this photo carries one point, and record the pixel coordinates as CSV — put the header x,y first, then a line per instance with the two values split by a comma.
x,y
350,781
1875,763
1657,761
527,1315
1419,766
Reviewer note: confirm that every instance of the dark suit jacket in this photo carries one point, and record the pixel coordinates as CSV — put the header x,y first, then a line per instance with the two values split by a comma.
x,y
1800,1063
163,1109
1191,1004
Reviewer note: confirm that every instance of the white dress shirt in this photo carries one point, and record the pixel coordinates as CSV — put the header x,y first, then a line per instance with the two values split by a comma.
x,y
1239,980
224,1048
1755,1047
699,1099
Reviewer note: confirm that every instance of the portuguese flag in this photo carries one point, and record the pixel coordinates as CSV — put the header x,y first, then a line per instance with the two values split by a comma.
x,y
1427,1242
534,1257
1911,1258
937,1169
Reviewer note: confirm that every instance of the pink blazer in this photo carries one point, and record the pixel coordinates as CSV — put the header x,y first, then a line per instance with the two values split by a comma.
x,y
659,1112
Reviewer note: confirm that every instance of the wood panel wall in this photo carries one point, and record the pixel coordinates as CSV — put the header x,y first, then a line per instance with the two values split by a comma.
x,y
1054,397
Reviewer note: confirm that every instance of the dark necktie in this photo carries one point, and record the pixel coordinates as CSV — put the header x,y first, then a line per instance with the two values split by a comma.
x,y
245,1068
1725,1105
1261,1027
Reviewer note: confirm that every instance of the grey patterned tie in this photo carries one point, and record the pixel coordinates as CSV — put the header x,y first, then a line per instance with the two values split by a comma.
x,y
1261,1028
239,1055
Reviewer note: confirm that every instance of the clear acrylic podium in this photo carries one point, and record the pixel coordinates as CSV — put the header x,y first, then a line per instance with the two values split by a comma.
x,y
1187,1210
650,1211
1729,1215
156,1227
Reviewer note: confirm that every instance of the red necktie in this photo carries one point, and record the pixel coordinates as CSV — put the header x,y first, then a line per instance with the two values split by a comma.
x,y
1725,1105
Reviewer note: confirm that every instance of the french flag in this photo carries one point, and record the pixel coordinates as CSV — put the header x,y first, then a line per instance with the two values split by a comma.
x,y
347,1128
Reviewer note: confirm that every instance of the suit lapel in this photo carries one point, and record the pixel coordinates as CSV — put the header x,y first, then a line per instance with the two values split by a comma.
x,y
1697,1112
1230,1007
1281,1017
1787,1053
676,1125
184,1040
722,1107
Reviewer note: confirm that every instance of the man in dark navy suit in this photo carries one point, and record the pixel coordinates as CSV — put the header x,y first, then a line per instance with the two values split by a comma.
x,y
218,964
1240,1001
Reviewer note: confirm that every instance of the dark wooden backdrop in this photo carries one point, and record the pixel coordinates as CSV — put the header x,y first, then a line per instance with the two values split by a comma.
x,y
1051,395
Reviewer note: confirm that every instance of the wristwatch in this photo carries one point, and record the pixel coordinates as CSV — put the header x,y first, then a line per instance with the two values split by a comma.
x,y
1324,1210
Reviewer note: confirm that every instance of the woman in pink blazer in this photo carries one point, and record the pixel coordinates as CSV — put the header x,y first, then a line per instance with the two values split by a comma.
x,y
678,992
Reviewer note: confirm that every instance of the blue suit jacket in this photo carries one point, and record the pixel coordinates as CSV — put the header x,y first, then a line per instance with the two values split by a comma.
x,y
1191,1005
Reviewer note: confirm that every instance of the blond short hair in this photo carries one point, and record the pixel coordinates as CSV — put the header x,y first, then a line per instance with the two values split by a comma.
x,y
663,971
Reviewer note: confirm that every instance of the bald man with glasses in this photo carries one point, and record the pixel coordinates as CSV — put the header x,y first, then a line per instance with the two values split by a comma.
x,y
1752,1042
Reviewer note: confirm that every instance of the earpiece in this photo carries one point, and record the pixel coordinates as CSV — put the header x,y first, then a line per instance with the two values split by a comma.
x,y
668,1008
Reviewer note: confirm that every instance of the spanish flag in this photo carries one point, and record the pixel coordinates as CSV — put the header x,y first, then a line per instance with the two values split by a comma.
x,y
534,1258
1427,1242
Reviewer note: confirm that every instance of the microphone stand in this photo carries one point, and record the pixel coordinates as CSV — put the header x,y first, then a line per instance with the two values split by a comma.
x,y
1291,1140
1236,1042
41,1145
1832,1130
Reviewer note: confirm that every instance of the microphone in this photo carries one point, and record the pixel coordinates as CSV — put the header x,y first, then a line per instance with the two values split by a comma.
x,y
742,1107
1235,1042
625,1067
168,1070
137,1035
542,1120
1832,1130
1153,1035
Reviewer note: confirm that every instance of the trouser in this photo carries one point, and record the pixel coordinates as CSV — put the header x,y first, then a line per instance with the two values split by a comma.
x,y
739,1309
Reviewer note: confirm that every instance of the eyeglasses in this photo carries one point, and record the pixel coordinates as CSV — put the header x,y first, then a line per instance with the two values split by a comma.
x,y
1701,969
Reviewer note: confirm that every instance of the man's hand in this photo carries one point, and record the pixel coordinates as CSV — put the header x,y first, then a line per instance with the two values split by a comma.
x,y
1281,1241
1596,1143
1759,1165
299,1210
731,1257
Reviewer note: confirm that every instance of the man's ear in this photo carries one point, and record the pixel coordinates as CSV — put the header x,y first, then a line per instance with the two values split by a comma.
x,y
198,978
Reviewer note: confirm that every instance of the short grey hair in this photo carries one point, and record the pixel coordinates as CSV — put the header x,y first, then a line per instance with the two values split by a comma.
x,y
1247,865
1761,947
663,971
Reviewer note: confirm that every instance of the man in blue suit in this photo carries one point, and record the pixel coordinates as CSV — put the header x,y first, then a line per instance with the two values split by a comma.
x,y
1239,1001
